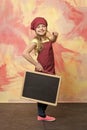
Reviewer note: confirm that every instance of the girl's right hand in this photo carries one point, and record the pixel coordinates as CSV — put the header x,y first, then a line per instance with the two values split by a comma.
x,y
39,67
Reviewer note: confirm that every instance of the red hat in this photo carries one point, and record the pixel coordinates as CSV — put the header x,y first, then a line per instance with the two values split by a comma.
x,y
37,21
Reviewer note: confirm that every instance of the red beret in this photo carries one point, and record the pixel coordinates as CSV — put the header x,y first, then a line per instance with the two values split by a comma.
x,y
37,21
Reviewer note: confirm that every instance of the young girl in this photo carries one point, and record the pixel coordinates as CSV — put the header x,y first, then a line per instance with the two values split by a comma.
x,y
42,44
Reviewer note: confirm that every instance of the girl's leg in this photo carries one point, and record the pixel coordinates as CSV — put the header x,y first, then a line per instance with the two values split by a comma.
x,y
41,109
41,113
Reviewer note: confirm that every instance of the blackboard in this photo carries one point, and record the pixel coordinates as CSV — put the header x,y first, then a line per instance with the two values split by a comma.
x,y
40,87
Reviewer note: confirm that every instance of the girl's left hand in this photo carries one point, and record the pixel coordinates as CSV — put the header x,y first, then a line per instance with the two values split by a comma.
x,y
55,34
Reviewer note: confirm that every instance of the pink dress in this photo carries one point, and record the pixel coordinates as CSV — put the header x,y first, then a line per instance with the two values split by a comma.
x,y
46,58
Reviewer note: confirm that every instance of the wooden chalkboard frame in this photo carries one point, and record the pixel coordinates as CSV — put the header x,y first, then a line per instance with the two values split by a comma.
x,y
29,79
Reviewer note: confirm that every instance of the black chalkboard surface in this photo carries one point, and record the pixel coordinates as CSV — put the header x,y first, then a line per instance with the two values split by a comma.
x,y
41,87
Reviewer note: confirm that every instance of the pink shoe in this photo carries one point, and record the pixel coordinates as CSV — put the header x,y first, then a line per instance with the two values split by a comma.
x,y
47,118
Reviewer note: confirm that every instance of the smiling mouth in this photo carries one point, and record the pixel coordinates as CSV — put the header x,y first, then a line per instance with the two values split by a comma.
x,y
41,31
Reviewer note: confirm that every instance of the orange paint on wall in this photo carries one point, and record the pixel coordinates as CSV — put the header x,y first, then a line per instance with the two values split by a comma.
x,y
69,19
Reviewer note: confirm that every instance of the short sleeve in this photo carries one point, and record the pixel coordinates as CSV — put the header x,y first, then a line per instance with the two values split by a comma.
x,y
34,41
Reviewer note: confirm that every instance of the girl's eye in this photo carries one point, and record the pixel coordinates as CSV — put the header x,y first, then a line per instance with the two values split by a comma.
x,y
43,26
38,27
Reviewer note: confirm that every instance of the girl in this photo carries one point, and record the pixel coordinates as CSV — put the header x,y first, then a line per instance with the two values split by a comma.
x,y
42,44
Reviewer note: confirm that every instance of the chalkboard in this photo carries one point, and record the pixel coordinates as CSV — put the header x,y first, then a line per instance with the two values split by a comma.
x,y
41,87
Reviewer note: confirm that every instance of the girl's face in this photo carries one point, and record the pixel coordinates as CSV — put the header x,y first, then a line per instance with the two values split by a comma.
x,y
41,30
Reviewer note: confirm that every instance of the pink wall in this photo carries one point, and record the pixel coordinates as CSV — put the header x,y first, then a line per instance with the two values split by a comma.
x,y
69,19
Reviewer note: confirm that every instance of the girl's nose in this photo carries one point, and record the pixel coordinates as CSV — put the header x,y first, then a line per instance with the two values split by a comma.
x,y
41,27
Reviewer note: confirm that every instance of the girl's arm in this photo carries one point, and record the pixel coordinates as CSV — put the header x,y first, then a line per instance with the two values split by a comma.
x,y
53,36
28,57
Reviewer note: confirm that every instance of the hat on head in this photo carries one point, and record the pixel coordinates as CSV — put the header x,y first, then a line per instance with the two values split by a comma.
x,y
37,21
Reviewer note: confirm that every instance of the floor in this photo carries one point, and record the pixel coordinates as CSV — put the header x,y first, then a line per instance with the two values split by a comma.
x,y
22,116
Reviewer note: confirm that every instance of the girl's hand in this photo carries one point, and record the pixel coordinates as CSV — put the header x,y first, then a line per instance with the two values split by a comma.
x,y
55,34
39,67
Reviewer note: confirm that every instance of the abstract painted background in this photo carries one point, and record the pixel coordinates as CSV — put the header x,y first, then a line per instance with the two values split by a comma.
x,y
69,19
